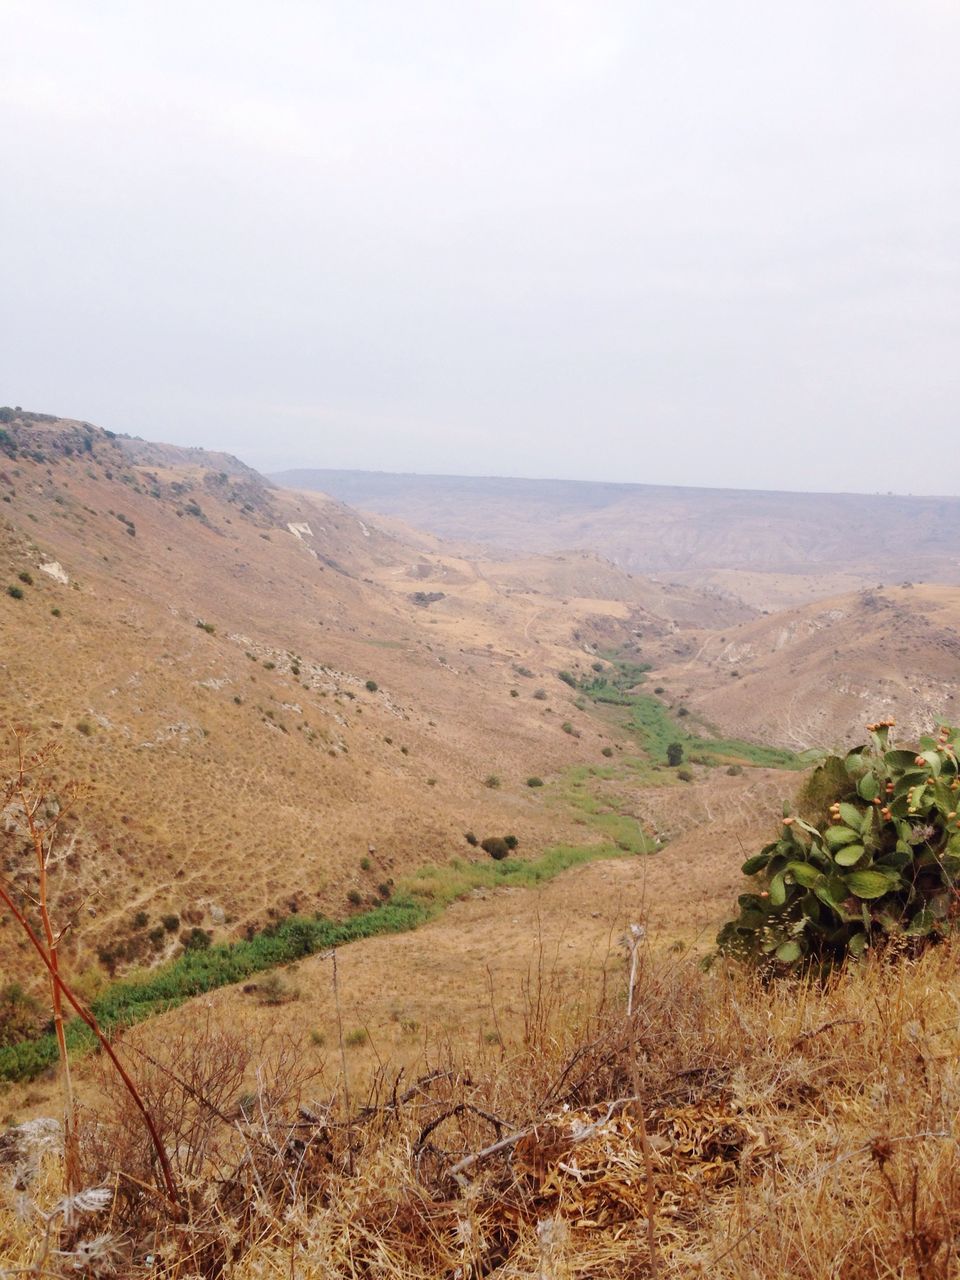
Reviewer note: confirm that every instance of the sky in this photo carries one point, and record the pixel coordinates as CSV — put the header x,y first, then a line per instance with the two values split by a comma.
x,y
702,242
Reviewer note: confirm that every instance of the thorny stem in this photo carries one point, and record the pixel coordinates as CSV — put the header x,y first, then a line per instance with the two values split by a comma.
x,y
47,951
633,938
71,1154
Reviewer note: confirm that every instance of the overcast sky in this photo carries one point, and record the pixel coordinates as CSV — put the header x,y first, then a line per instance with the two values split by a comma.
x,y
704,242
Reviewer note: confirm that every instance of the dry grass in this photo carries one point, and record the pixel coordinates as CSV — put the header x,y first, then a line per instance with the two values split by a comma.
x,y
797,1131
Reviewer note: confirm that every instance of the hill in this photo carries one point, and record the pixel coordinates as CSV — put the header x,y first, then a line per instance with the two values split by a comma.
x,y
272,714
809,677
861,539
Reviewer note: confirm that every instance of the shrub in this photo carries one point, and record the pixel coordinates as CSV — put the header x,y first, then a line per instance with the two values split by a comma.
x,y
471,839
685,775
659,689
16,592
511,842
524,671
371,686
26,577
492,781
675,754
514,693
496,846
365,864
170,922
84,727
269,666
20,1015
273,990
355,898
208,627
884,865
607,751
140,920
55,612
735,770
534,782
682,711
196,940
540,695
567,678
567,727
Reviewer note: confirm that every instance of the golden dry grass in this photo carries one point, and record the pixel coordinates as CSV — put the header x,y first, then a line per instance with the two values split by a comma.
x,y
797,1131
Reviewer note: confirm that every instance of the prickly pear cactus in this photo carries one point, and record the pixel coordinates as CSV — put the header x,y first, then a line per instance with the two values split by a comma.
x,y
887,864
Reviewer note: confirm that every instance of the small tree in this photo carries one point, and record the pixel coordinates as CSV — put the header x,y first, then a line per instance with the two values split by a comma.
x,y
675,754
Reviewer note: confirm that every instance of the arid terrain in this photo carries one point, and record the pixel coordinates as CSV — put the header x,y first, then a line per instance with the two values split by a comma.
x,y
764,548
277,706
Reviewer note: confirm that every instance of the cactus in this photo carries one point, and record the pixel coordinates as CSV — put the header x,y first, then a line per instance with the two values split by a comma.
x,y
886,864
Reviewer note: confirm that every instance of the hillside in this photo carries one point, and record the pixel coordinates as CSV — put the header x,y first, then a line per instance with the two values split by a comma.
x,y
809,677
270,714
657,529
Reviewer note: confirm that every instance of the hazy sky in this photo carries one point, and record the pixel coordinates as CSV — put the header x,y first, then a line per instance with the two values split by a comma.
x,y
677,241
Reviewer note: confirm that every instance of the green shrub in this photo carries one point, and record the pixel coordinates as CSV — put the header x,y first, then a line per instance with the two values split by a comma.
x,y
675,754
492,781
471,839
607,751
534,782
26,577
15,592
208,627
140,920
196,940
511,842
372,686
55,613
735,770
170,922
496,846
540,695
514,693
84,727
884,866
685,775
567,678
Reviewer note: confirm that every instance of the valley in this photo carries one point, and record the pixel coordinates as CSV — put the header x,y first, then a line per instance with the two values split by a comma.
x,y
296,725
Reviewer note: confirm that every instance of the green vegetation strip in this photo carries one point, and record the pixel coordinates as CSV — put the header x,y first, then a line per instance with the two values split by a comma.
x,y
652,723
196,971
656,728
